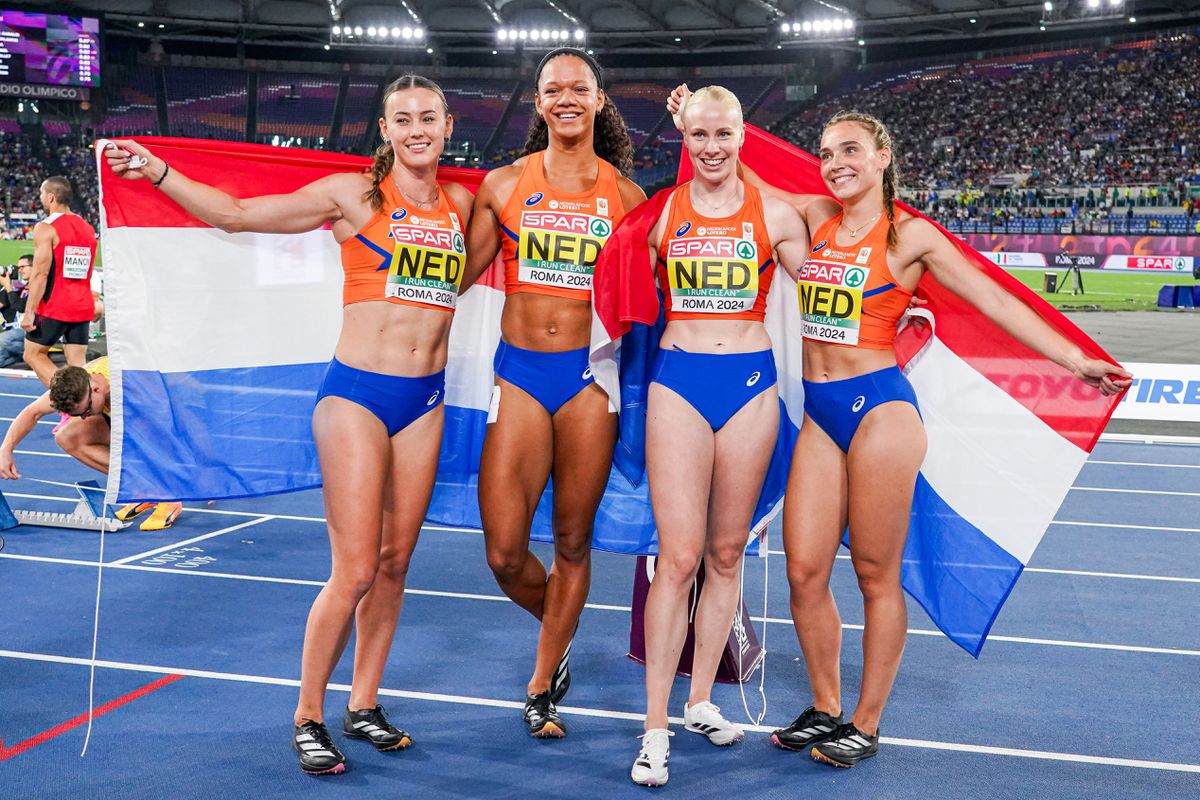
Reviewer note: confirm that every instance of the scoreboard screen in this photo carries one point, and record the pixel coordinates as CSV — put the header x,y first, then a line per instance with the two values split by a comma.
x,y
49,49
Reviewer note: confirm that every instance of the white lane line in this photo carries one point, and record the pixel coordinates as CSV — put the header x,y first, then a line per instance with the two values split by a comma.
x,y
193,540
1073,572
1133,491
1144,464
40,453
600,713
40,421
1148,438
1123,526
24,396
1130,648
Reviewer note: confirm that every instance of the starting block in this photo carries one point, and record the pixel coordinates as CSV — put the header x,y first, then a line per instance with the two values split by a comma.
x,y
90,513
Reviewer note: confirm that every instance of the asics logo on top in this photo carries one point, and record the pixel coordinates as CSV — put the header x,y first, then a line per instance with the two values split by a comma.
x,y
682,229
399,214
859,402
753,379
433,397
821,244
534,199
587,374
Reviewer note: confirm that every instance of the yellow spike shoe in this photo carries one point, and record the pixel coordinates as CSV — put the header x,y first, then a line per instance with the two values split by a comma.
x,y
163,517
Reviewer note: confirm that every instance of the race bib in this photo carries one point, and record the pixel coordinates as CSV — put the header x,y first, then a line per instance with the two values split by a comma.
x,y
427,265
560,248
76,262
830,297
712,274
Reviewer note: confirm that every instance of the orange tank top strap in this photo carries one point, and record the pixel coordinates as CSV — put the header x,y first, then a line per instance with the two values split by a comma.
x,y
405,254
715,268
550,240
848,295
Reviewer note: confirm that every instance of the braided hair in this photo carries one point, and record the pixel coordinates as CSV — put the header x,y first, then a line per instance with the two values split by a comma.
x,y
610,139
385,156
881,138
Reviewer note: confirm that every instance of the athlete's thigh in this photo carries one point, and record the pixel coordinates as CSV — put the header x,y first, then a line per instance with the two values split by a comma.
x,y
354,451
414,465
518,450
585,433
78,432
815,505
679,464
743,451
885,456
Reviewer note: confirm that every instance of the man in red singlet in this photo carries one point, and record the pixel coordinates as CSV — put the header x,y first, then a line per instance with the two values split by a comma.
x,y
60,303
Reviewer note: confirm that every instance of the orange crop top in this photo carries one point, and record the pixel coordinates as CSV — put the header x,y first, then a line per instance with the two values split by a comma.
x,y
715,268
406,255
847,294
550,239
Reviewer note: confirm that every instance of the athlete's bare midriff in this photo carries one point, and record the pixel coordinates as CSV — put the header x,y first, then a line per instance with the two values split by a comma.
x,y
546,323
393,339
715,336
833,362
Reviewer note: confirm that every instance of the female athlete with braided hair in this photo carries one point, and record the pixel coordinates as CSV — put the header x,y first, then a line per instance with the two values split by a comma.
x,y
863,441
378,418
548,214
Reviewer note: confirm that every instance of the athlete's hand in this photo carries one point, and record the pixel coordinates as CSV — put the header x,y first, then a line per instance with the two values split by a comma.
x,y
8,467
1108,378
675,102
28,322
131,161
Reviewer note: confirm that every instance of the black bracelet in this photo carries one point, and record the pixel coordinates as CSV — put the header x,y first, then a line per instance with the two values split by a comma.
x,y
166,172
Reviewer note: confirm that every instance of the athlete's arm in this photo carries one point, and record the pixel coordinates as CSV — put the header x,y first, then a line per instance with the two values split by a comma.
x,y
951,269
789,235
18,430
461,199
305,209
483,233
44,239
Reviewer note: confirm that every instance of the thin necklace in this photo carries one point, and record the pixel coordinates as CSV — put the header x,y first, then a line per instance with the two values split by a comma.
x,y
414,200
854,231
722,204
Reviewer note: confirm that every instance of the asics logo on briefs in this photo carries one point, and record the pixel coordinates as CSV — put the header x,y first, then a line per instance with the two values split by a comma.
x,y
587,374
753,379
433,397
399,214
858,404
534,199
682,229
820,245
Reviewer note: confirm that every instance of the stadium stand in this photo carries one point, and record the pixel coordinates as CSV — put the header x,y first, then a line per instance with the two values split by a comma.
x,y
206,103
295,108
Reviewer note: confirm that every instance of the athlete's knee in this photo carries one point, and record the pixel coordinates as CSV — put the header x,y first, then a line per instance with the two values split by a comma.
x,y
353,581
393,564
677,569
723,561
506,563
69,439
877,579
808,582
572,548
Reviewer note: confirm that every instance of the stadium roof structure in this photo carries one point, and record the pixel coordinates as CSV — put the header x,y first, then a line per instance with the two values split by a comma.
x,y
651,26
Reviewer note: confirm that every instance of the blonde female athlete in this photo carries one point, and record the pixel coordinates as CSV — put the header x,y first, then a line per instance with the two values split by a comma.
x,y
378,418
548,214
713,409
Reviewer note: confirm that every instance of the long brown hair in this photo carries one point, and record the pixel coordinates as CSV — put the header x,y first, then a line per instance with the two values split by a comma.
x,y
610,138
385,156
881,137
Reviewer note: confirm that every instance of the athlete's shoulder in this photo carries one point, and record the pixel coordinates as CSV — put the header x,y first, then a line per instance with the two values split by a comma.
x,y
460,196
631,193
498,185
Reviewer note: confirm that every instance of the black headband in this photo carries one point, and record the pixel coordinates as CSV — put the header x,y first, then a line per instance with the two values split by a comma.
x,y
569,51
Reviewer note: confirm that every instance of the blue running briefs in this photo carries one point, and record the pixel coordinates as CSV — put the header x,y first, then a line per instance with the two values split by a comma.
x,y
717,385
550,378
838,407
398,402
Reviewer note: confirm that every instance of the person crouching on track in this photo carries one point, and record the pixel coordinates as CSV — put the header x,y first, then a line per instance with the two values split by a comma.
x,y
713,410
556,206
379,412
84,395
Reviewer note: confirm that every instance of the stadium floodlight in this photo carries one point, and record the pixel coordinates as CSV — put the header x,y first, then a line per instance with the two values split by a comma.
x,y
1048,5
579,34
406,32
358,30
371,30
141,24
502,34
337,30
326,47
808,26
533,35
1132,20
786,27
1093,3
395,33
524,34
418,33
1114,3
429,50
